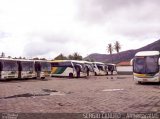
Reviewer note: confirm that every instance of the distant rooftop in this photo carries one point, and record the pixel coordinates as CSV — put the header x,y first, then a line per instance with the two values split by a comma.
x,y
124,63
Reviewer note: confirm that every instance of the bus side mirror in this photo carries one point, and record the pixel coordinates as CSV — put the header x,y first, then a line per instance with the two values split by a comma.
x,y
131,62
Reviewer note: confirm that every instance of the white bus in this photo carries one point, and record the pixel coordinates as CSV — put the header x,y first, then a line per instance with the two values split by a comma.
x,y
26,69
43,68
100,68
8,69
146,66
71,68
112,69
89,68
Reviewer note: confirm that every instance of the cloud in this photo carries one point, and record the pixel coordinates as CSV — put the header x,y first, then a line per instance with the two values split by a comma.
x,y
4,35
46,28
41,44
133,18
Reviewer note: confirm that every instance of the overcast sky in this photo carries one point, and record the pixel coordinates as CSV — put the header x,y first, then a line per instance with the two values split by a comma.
x,y
46,28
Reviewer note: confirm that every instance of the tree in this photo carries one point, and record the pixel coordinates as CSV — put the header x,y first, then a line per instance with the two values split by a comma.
x,y
76,56
70,57
60,57
117,46
110,50
43,59
35,58
3,54
20,57
9,57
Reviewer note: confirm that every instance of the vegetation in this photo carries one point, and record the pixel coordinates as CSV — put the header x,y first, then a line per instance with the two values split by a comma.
x,y
117,46
60,57
2,54
110,48
74,56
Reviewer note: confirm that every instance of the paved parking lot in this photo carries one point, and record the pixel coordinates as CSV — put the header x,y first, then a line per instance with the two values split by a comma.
x,y
93,94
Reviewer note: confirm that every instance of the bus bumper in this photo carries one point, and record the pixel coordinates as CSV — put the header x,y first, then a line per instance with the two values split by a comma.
x,y
153,79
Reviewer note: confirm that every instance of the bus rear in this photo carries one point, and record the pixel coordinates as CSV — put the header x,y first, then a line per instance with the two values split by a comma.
x,y
43,68
146,66
26,69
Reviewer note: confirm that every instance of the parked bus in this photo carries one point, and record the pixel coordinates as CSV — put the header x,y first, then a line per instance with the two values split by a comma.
x,y
71,68
89,68
26,69
100,68
112,69
146,66
8,69
42,68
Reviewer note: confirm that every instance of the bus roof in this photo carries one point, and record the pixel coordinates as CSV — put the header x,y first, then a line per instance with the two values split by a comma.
x,y
42,61
98,62
147,53
24,60
8,59
78,61
110,64
59,60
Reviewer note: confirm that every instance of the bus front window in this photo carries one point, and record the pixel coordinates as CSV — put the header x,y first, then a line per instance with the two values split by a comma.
x,y
10,66
27,66
152,64
139,65
146,65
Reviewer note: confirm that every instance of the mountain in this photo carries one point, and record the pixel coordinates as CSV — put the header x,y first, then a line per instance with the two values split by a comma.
x,y
122,56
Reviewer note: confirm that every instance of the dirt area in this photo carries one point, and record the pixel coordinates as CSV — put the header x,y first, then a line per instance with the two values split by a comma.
x,y
93,94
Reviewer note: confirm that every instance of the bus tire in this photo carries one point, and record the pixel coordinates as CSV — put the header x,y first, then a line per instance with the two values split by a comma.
x,y
34,77
42,77
70,75
139,82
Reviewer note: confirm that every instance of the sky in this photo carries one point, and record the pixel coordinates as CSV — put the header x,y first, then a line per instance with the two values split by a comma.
x,y
46,28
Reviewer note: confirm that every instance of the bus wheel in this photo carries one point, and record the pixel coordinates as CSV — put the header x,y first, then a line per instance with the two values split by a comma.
x,y
139,82
70,75
42,77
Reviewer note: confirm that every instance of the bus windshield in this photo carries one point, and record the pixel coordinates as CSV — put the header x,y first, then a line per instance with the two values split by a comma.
x,y
146,65
81,65
27,66
100,67
10,66
90,66
45,66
